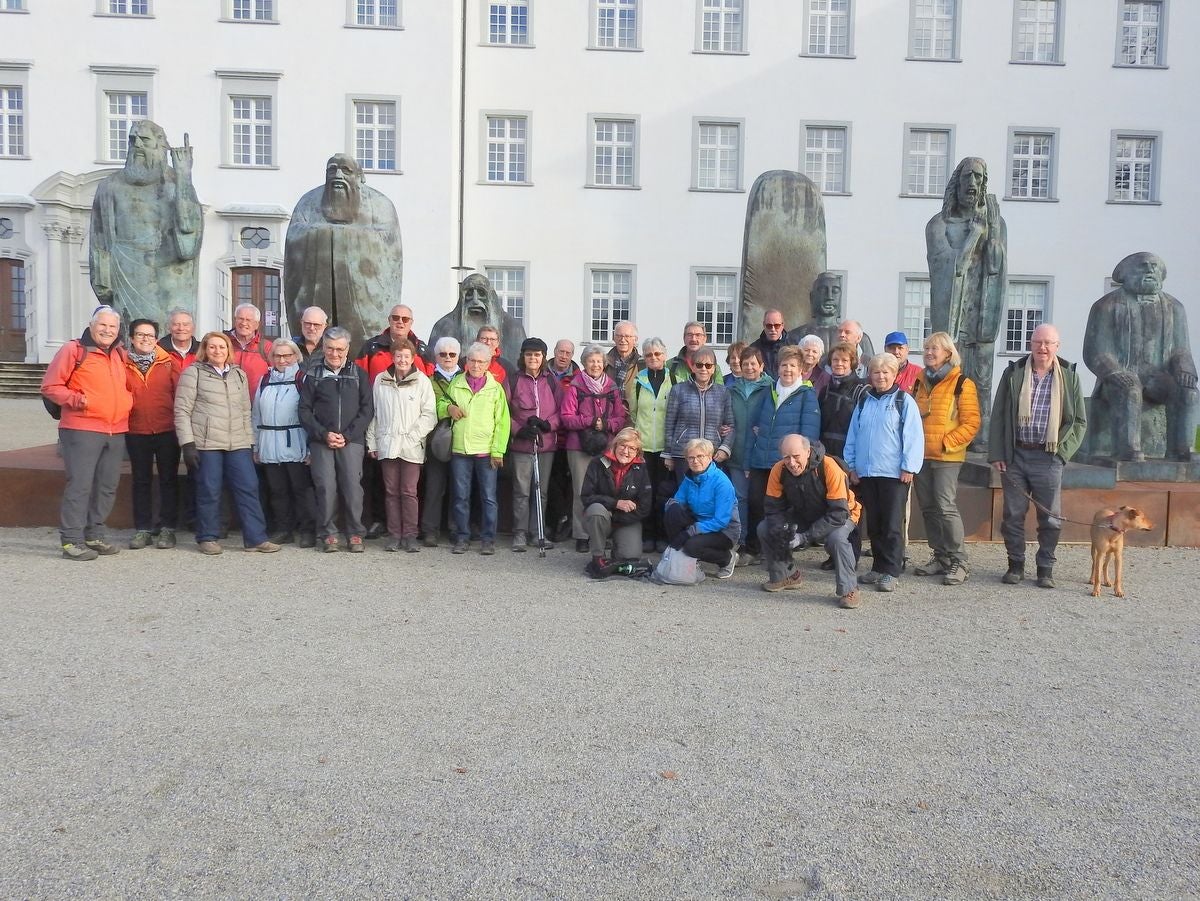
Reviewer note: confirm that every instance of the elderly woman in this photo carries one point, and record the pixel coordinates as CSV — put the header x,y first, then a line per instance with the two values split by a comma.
x,y
839,397
733,359
405,413
281,446
647,396
698,408
949,407
533,405
748,393
212,422
884,448
616,498
592,412
437,472
812,348
151,376
702,518
479,407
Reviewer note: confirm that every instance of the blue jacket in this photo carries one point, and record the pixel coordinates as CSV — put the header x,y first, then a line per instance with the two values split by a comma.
x,y
874,445
798,415
748,398
710,497
279,437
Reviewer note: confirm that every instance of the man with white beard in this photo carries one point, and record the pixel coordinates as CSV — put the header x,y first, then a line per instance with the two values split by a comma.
x,y
146,229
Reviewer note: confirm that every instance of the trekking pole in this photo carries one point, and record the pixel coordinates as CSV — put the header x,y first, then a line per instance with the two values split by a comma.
x,y
537,497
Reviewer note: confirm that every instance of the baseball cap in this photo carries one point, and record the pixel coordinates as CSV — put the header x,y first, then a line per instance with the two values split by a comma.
x,y
895,338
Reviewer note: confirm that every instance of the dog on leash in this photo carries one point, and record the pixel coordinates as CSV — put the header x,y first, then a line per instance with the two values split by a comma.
x,y
1108,545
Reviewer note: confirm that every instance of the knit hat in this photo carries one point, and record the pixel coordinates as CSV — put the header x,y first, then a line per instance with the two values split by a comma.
x,y
535,344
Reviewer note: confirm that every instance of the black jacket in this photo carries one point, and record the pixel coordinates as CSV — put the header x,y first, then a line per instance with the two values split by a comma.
x,y
804,500
339,402
599,487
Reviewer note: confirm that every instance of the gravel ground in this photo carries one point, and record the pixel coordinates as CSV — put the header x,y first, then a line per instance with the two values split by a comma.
x,y
334,726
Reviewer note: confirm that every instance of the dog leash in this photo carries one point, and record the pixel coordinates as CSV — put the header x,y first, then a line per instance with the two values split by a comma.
x,y
1013,482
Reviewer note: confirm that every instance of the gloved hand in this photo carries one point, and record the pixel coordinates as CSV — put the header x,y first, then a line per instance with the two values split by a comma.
x,y
681,539
543,425
801,539
527,432
191,456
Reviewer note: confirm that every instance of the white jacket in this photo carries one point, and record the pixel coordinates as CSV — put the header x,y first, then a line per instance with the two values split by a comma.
x,y
405,414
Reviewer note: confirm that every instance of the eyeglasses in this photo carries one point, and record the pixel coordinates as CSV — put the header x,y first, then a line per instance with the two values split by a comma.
x,y
312,324
284,354
150,335
480,362
1044,343
705,365
400,318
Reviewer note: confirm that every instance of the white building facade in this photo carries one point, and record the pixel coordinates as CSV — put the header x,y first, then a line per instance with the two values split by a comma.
x,y
594,156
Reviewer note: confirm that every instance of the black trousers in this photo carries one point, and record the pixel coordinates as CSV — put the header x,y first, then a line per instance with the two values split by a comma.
x,y
710,547
559,499
883,501
436,477
661,483
292,499
146,452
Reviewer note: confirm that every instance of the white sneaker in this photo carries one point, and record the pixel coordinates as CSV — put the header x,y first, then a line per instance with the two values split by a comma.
x,y
726,571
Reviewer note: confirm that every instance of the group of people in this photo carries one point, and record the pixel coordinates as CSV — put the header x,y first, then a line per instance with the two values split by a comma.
x,y
628,450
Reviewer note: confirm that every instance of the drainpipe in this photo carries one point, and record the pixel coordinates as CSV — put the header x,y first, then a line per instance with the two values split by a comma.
x,y
462,135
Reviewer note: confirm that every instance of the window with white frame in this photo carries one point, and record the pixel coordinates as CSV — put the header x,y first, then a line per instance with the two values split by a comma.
x,y
1036,35
252,131
828,24
722,26
508,23
927,152
506,159
914,306
509,282
12,120
375,134
1134,170
374,13
714,302
1025,304
1031,164
252,10
127,7
827,156
12,6
614,152
122,109
611,300
616,24
1143,32
718,155
933,30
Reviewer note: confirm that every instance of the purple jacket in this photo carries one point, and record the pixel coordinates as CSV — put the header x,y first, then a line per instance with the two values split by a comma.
x,y
528,397
580,408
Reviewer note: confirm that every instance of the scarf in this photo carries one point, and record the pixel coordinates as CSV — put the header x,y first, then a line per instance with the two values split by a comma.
x,y
933,376
596,386
475,384
1025,403
141,361
447,374
618,471
656,377
783,393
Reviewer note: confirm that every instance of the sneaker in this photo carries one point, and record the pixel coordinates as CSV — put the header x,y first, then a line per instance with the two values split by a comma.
x,y
581,545
78,552
430,539
850,601
356,544
393,545
460,546
411,545
267,547
726,571
102,547
1016,572
887,583
827,564
166,539
139,540
936,566
307,540
520,543
487,548
746,557
788,583
870,577
955,575
282,538
330,544
211,548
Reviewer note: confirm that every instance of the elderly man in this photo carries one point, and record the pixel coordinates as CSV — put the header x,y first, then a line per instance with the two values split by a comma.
x,y
694,337
623,361
1137,344
336,406
313,321
1038,425
500,368
851,332
251,351
86,379
180,341
896,343
772,337
808,501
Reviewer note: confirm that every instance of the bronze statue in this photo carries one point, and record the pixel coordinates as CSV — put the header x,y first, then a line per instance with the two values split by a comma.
x,y
967,251
478,305
1137,345
343,252
146,229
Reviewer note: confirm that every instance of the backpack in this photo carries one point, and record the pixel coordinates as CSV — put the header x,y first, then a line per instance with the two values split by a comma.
x,y
55,410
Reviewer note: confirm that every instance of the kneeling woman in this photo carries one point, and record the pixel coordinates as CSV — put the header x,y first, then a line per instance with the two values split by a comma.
x,y
702,518
616,496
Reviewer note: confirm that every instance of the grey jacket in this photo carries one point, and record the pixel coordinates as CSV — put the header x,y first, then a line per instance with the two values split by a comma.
x,y
213,410
692,413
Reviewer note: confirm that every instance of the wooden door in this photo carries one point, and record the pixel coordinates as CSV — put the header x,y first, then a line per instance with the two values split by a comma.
x,y
261,286
12,311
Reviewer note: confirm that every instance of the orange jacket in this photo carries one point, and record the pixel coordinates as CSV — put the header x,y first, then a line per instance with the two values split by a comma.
x,y
94,395
153,394
949,425
254,359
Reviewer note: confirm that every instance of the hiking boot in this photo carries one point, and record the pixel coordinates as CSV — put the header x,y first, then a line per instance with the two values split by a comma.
x,y
787,583
887,583
307,540
166,539
211,548
935,567
410,545
282,538
581,545
356,544
1045,577
487,548
520,543
1016,572
827,564
139,540
102,547
850,601
377,530
393,545
870,578
430,539
330,544
78,552
460,546
956,574
266,547
598,568
746,557
726,571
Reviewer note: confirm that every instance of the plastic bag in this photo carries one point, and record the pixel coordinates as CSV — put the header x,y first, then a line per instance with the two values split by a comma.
x,y
677,568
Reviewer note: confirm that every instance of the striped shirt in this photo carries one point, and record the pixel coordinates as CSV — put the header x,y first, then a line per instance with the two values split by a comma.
x,y
1039,412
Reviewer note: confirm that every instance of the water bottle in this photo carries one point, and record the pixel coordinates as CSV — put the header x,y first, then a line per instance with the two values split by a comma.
x,y
624,569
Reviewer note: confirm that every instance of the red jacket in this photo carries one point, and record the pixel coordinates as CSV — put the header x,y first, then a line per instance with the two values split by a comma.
x,y
254,359
153,394
908,375
376,355
93,395
186,359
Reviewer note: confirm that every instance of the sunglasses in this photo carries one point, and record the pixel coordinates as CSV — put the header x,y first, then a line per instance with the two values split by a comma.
x,y
705,365
400,318
447,353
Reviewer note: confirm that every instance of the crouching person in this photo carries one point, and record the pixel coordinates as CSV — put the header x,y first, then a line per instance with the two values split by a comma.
x,y
617,496
702,518
809,501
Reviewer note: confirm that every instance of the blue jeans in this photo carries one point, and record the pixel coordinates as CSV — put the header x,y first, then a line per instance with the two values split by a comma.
x,y
462,470
236,470
741,488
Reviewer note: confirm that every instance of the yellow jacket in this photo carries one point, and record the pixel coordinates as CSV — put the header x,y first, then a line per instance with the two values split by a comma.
x,y
949,422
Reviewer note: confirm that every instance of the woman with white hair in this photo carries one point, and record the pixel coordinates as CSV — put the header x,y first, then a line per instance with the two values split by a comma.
x,y
437,472
812,348
648,394
281,446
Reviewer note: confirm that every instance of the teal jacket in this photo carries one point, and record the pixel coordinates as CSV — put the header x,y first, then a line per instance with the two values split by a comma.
x,y
748,398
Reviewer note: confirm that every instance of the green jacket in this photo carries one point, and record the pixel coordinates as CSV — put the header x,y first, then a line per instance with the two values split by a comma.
x,y
647,413
1002,430
485,427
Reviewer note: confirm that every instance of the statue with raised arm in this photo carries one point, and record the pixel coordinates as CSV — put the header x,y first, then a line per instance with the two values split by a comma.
x,y
343,252
1137,345
966,246
146,229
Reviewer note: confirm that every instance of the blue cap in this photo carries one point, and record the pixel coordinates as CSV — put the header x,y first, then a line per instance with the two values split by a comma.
x,y
895,338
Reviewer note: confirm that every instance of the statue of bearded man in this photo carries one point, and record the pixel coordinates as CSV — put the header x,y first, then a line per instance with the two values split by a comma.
x,y
479,306
343,252
146,229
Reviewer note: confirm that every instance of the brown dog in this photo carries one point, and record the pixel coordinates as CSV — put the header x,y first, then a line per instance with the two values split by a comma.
x,y
1108,545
